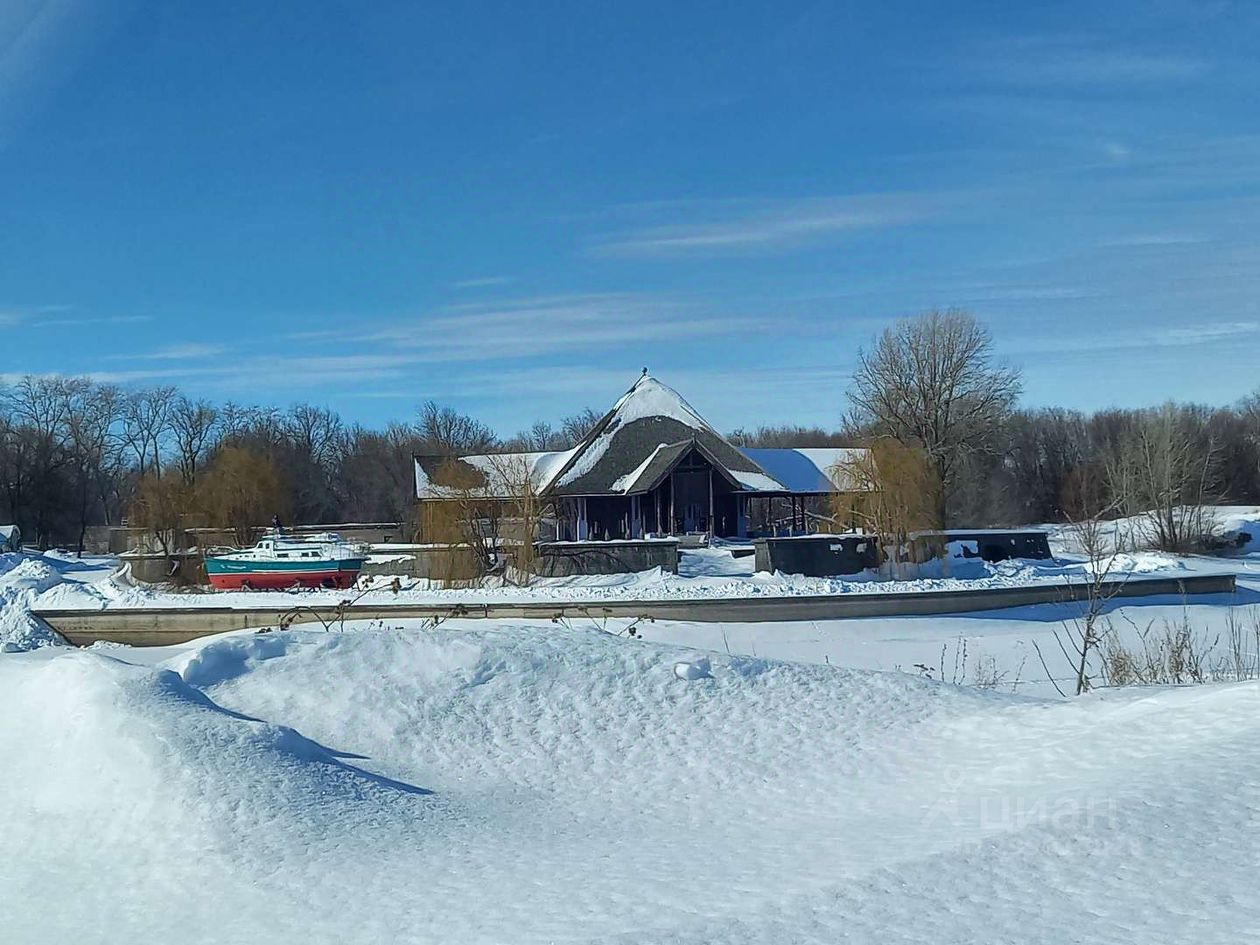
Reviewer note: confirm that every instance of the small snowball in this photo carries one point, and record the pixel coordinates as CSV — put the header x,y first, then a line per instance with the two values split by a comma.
x,y
695,669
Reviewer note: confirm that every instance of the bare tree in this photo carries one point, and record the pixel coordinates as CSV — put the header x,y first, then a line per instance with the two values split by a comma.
x,y
932,381
575,427
310,453
93,416
790,436
465,522
1164,471
194,426
41,458
146,422
449,433
527,508
539,437
161,507
1088,632
376,477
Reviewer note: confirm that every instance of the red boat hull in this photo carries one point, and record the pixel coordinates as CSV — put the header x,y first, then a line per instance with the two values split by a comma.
x,y
279,580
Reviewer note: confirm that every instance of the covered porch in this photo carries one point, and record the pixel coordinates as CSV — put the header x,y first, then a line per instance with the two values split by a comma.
x,y
688,494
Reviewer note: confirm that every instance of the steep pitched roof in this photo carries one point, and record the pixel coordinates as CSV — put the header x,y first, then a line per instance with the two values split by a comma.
x,y
648,416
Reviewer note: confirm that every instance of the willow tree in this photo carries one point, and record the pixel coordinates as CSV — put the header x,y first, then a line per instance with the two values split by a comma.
x,y
241,491
932,382
162,507
890,488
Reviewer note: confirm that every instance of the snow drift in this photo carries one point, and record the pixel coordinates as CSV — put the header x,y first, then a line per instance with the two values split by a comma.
x,y
539,784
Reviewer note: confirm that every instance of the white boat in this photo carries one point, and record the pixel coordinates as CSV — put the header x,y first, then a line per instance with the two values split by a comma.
x,y
280,562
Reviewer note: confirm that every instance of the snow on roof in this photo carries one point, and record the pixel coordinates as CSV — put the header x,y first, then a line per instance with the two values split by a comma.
x,y
623,452
501,473
626,483
758,482
806,470
646,398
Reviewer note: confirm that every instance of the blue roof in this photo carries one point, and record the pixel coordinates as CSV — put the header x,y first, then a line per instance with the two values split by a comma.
x,y
797,471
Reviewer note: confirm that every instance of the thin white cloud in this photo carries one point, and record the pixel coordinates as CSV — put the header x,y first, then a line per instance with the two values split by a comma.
x,y
726,397
754,226
1081,60
25,314
484,282
180,352
1156,239
1204,333
1102,342
1014,292
102,320
42,42
532,327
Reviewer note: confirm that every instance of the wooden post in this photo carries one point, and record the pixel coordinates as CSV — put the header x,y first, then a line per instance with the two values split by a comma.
x,y
712,531
672,490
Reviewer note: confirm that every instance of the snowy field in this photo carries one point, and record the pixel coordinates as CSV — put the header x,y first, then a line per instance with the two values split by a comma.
x,y
526,784
563,782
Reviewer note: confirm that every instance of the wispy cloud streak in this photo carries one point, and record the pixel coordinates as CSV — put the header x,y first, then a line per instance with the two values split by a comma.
x,y
1081,60
754,226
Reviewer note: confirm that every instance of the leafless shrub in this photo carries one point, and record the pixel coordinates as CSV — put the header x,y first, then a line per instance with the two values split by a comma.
x,y
982,673
344,609
1086,633
1173,654
604,623
1241,659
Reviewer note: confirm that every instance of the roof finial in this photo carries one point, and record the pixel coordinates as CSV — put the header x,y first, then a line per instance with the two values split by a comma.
x,y
645,374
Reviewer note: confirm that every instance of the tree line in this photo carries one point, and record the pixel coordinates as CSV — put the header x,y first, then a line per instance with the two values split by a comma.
x,y
931,384
75,453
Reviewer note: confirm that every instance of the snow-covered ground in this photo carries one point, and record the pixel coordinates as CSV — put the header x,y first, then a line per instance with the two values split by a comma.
x,y
563,782
704,573
1230,521
540,784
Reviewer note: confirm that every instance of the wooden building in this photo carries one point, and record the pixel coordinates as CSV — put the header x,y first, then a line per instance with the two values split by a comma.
x,y
652,466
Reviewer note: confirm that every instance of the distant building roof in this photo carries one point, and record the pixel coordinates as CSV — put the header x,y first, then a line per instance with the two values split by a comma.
x,y
808,470
486,475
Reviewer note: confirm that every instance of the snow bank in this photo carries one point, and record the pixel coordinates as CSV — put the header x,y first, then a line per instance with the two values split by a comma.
x,y
1237,526
53,580
582,791
22,579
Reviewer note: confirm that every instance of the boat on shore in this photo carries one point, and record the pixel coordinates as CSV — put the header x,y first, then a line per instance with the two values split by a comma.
x,y
282,563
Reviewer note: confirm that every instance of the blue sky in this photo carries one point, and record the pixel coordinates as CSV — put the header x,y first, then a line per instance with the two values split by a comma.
x,y
513,207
